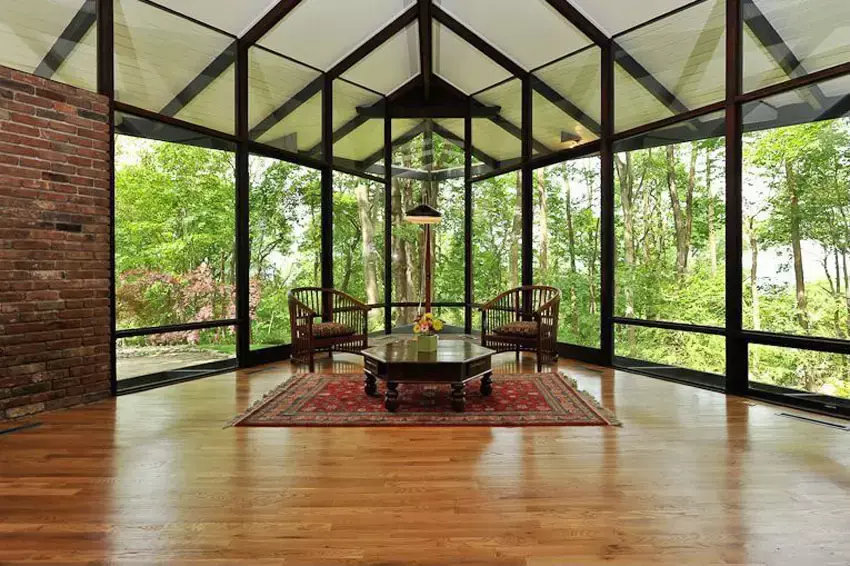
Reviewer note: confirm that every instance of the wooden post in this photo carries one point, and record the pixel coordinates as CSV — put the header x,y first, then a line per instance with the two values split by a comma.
x,y
427,268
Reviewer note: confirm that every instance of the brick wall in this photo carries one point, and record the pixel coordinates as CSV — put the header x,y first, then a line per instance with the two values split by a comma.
x,y
54,245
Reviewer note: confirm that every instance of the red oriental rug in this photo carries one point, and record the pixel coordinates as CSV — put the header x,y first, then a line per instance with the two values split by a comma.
x,y
339,400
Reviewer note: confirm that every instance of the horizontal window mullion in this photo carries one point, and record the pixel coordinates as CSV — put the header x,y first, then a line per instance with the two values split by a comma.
x,y
829,345
713,330
150,331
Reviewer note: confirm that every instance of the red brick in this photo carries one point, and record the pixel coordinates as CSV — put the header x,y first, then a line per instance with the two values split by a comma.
x,y
55,346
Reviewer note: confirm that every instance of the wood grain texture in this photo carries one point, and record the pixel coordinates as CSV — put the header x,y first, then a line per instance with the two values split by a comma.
x,y
692,477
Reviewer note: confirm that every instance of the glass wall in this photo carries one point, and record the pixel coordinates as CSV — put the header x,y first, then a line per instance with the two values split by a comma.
x,y
286,243
671,65
172,66
174,251
567,215
430,171
496,237
359,242
796,231
670,237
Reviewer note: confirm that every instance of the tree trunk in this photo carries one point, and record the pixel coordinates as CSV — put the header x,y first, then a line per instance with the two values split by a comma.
x,y
516,236
754,267
367,242
712,236
626,176
571,239
796,246
682,219
543,223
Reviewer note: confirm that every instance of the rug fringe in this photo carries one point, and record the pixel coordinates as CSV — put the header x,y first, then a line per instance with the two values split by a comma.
x,y
592,401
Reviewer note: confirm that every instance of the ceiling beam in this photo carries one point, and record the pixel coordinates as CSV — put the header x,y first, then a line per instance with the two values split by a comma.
x,y
80,25
457,141
767,35
426,50
374,42
205,78
269,21
638,72
565,105
429,111
291,105
580,21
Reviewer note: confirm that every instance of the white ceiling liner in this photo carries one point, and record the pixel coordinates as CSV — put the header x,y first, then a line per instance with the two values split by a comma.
x,y
232,16
461,64
322,32
392,64
531,32
615,16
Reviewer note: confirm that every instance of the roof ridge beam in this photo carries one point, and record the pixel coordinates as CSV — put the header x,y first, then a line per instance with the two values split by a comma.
x,y
426,50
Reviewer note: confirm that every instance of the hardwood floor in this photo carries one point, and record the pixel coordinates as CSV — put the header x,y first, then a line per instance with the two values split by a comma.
x,y
692,477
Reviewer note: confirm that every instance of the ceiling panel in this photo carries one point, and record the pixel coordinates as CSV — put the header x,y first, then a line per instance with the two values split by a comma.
x,y
391,65
231,16
461,64
531,32
322,32
615,16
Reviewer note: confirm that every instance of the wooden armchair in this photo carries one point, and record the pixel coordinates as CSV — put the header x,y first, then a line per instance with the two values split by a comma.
x,y
326,320
523,319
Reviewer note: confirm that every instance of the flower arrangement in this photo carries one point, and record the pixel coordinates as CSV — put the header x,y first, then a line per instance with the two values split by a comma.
x,y
427,324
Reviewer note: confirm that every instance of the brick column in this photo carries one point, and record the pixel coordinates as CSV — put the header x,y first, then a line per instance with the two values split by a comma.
x,y
54,245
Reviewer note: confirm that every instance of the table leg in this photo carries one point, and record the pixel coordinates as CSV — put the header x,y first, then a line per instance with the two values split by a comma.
x,y
391,398
487,384
370,385
458,397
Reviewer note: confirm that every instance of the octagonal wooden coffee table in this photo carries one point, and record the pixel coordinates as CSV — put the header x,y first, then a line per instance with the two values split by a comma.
x,y
455,363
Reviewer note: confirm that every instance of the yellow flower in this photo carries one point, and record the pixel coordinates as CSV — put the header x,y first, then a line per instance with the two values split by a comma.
x,y
438,325
429,316
417,329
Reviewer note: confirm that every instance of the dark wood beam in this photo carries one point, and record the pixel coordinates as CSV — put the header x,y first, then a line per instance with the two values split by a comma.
x,y
435,111
287,108
80,25
580,21
426,53
767,35
374,42
205,78
269,21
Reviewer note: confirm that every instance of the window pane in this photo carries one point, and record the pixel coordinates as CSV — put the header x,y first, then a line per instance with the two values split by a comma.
x,y
359,242
30,31
358,139
174,233
498,140
671,348
672,65
786,39
172,351
567,101
285,103
434,175
285,230
169,65
496,236
670,224
796,213
567,201
820,373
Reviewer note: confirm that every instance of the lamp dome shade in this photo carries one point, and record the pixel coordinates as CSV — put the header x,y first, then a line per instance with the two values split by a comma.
x,y
423,214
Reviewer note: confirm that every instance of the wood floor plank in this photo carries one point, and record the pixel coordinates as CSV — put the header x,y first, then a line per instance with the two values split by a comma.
x,y
692,477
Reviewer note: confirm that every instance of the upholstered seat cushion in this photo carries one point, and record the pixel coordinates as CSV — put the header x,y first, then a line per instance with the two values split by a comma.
x,y
520,328
331,330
